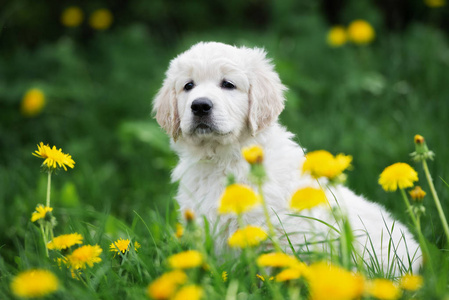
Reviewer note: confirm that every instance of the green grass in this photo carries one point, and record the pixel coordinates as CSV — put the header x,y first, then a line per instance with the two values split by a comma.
x,y
368,102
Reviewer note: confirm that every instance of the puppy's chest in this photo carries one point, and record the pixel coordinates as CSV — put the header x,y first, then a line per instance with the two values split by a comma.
x,y
202,184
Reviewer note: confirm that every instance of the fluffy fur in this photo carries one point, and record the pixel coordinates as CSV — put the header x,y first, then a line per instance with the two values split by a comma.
x,y
209,148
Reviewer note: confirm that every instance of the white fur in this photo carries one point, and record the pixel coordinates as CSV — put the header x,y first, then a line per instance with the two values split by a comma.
x,y
245,116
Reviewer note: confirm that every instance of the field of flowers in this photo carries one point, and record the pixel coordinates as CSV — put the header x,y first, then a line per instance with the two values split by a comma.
x,y
88,209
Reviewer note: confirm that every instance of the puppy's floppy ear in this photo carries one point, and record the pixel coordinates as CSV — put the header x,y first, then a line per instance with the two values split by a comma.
x,y
266,92
166,107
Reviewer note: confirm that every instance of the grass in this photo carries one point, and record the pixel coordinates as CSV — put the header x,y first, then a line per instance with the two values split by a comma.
x,y
368,102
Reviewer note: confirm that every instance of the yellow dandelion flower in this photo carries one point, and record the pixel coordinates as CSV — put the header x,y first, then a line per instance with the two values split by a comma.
x,y
307,198
122,246
337,36
179,230
411,282
191,292
41,212
224,276
85,255
165,286
263,278
321,163
253,154
33,102
238,199
417,194
101,19
325,280
383,289
361,32
397,175
185,260
72,16
189,215
276,259
54,158
34,283
249,236
435,3
65,241
297,270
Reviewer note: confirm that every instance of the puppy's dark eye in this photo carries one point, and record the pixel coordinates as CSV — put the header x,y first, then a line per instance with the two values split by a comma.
x,y
189,85
227,85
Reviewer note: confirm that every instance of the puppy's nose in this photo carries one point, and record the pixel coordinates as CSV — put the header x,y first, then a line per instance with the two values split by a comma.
x,y
201,107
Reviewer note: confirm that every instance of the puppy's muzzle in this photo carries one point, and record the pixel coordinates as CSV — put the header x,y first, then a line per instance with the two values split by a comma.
x,y
202,107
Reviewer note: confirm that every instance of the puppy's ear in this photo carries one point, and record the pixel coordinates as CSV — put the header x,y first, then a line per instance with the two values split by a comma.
x,y
266,93
166,108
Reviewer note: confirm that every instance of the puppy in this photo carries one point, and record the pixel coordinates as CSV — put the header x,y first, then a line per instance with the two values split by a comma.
x,y
217,99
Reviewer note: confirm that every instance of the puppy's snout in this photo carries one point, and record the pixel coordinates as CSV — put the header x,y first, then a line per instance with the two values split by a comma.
x,y
201,107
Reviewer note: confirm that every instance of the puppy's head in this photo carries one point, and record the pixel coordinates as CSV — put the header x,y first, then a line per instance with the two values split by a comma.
x,y
217,92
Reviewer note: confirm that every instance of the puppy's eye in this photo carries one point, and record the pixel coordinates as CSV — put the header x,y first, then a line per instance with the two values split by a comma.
x,y
227,85
189,85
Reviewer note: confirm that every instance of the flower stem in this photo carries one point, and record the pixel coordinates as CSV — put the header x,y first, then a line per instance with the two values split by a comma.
x,y
48,189
437,200
422,240
267,217
44,237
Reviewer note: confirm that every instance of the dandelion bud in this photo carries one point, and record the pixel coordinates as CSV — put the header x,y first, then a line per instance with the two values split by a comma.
x,y
189,215
253,154
422,152
419,139
417,194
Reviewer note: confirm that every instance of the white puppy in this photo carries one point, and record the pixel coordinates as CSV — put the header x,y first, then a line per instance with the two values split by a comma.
x,y
216,99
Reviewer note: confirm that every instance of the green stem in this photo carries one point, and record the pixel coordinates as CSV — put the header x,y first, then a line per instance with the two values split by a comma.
x,y
422,240
267,217
44,237
437,201
48,188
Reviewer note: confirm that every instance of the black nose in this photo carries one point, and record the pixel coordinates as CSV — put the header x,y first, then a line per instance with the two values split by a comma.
x,y
201,107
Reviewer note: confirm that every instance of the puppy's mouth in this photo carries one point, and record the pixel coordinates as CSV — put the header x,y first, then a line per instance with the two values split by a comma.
x,y
203,128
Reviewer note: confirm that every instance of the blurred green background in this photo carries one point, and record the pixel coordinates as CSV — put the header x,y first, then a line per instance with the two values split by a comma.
x,y
364,100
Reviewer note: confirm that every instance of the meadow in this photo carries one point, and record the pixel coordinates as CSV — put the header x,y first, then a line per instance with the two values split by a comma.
x,y
87,88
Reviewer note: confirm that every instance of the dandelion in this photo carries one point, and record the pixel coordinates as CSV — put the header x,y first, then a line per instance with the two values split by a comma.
x,y
417,194
321,163
411,282
101,19
276,259
383,289
122,246
296,271
435,3
54,158
72,16
325,280
238,199
33,102
189,215
191,292
165,286
85,255
397,175
65,241
249,236
263,278
307,198
34,283
253,154
337,36
179,230
361,32
185,260
41,213
224,276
